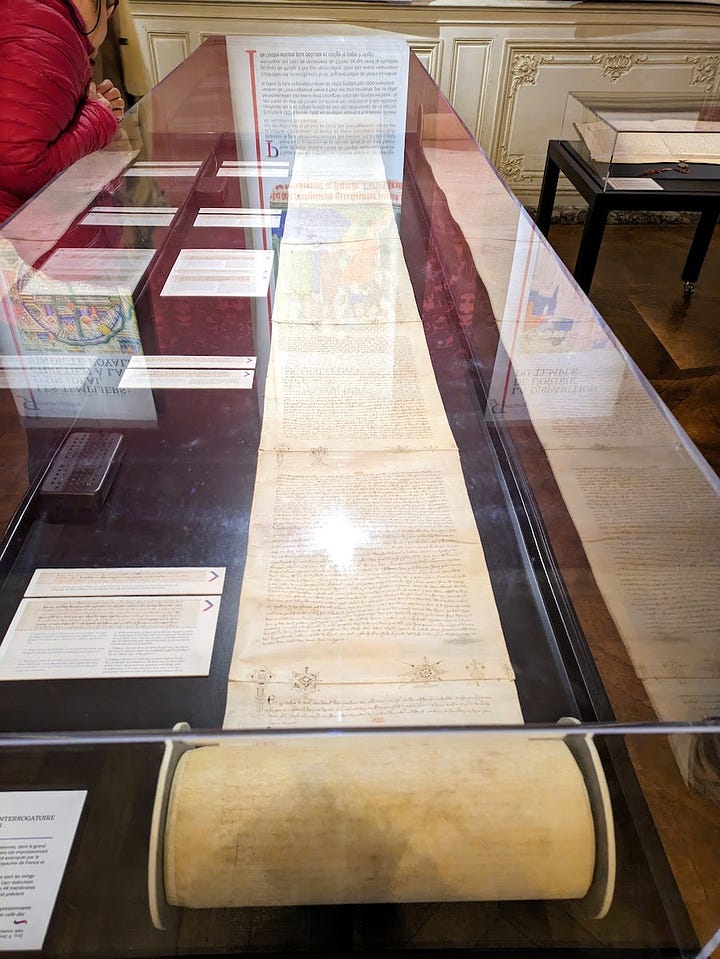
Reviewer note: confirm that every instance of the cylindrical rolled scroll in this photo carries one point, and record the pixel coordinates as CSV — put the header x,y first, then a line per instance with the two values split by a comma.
x,y
313,819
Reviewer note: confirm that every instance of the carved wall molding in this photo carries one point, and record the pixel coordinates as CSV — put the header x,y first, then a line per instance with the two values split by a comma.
x,y
470,58
512,166
529,64
167,49
524,69
706,73
617,65
430,55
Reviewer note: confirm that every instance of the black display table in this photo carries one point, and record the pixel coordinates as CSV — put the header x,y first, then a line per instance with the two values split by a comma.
x,y
679,192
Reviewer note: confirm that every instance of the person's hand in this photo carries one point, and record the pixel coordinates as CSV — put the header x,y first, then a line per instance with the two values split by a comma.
x,y
110,93
109,96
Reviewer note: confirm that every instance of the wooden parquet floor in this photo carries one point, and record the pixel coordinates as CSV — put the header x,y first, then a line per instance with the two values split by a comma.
x,y
675,341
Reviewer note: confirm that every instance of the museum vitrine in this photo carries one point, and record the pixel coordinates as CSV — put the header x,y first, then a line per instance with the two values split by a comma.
x,y
358,593
656,137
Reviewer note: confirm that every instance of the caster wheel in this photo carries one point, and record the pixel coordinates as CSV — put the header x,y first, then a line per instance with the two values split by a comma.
x,y
688,289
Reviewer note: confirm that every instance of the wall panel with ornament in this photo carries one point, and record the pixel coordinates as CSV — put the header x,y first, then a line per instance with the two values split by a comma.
x,y
506,67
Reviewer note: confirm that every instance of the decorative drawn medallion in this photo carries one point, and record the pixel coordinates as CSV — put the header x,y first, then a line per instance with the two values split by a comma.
x,y
261,677
426,672
306,682
706,71
280,450
616,65
476,671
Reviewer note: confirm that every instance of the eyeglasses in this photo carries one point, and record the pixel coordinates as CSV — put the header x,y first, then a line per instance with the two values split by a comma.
x,y
112,6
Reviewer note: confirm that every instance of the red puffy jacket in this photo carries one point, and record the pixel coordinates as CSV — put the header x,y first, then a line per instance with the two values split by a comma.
x,y
46,120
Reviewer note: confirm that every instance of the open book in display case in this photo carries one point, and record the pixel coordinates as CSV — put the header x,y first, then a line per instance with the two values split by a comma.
x,y
358,593
655,135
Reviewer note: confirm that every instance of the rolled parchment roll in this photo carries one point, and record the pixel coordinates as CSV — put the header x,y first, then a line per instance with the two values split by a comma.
x,y
310,819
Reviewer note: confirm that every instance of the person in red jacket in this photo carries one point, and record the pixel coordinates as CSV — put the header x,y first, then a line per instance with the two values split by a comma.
x,y
51,114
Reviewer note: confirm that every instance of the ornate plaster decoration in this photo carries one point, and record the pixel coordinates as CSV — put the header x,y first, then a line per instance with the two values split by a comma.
x,y
706,72
524,69
616,65
511,166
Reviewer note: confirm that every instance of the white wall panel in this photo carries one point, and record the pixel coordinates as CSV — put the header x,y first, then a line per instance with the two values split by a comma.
x,y
430,55
468,85
167,51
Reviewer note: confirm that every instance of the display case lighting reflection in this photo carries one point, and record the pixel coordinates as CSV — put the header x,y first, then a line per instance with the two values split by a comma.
x,y
339,537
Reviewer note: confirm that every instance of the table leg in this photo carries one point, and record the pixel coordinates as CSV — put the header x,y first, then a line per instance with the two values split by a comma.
x,y
590,245
547,195
699,247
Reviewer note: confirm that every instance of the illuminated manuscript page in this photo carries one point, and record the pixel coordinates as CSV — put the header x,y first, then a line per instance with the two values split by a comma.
x,y
345,283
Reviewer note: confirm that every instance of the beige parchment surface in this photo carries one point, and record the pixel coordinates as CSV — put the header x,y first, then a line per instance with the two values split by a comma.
x,y
362,818
352,388
365,568
367,600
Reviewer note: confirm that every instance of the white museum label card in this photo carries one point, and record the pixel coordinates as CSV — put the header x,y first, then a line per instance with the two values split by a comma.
x,y
633,183
168,362
248,168
182,168
36,832
106,270
51,361
127,581
114,636
68,378
129,216
152,379
241,218
220,273
54,371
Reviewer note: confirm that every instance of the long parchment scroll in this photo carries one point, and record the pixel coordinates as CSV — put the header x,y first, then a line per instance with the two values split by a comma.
x,y
366,597
367,601
378,818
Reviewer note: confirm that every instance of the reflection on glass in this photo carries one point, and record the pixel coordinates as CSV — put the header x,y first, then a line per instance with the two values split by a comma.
x,y
338,537
557,362
67,332
646,515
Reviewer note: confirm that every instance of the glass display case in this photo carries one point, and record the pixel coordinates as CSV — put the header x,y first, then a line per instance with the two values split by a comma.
x,y
656,136
358,594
